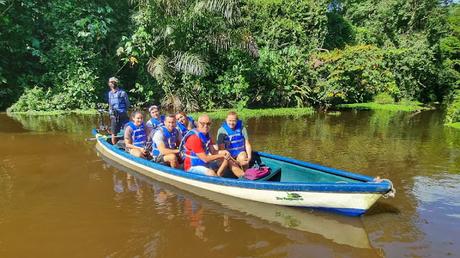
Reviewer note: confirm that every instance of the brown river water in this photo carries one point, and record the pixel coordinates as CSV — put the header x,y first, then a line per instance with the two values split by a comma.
x,y
58,198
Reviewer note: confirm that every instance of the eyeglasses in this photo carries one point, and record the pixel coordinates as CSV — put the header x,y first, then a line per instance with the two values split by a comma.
x,y
204,124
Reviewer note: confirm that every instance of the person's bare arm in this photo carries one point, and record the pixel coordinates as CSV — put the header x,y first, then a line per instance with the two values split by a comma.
x,y
248,149
209,158
165,151
129,141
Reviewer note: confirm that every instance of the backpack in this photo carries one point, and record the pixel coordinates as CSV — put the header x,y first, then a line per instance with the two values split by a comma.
x,y
256,173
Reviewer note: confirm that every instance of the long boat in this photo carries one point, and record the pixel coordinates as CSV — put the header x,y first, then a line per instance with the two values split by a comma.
x,y
291,182
281,219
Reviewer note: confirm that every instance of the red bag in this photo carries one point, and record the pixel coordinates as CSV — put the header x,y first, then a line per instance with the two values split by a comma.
x,y
256,173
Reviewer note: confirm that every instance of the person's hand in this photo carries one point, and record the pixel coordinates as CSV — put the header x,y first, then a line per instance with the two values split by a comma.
x,y
225,154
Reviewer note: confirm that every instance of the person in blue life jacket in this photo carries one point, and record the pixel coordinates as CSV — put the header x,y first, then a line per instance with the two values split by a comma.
x,y
136,135
200,155
184,123
165,143
156,120
118,108
233,137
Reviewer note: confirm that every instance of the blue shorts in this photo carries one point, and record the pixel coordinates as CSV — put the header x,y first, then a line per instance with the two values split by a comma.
x,y
202,169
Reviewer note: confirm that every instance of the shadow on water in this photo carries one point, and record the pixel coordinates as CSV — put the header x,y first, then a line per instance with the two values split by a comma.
x,y
339,229
11,126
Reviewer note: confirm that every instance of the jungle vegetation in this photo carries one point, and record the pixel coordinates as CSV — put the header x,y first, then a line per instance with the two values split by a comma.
x,y
212,54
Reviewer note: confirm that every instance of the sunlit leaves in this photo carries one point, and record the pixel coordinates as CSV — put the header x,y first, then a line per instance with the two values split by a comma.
x,y
158,68
189,63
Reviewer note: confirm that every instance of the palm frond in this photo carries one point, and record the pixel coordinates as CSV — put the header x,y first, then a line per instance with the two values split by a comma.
x,y
228,8
221,41
189,63
170,7
158,67
249,44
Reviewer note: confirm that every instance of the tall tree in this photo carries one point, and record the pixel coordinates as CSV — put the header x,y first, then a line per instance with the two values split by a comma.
x,y
177,38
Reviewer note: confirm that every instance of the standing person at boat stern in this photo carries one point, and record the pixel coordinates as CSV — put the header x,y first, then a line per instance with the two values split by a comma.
x,y
233,137
118,108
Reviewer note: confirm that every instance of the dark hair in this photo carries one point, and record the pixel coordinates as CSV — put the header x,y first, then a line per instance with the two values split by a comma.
x,y
182,113
134,113
171,116
232,113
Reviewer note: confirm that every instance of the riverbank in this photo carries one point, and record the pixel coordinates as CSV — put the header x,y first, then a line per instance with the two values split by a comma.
x,y
252,113
215,114
454,125
405,106
56,112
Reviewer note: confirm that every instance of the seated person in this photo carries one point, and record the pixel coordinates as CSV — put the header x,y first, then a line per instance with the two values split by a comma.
x,y
165,143
156,119
200,155
136,135
184,123
233,137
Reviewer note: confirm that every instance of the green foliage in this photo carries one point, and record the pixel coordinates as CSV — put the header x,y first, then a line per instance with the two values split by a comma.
x,y
384,98
450,49
211,54
62,47
280,24
33,99
453,111
355,74
250,113
407,106
284,78
340,32
180,41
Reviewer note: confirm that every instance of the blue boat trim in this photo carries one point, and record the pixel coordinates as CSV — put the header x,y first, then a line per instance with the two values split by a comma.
x,y
365,187
344,211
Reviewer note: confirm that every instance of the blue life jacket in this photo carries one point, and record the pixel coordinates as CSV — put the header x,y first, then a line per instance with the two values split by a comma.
x,y
156,122
117,101
182,128
189,154
191,121
169,140
234,140
138,135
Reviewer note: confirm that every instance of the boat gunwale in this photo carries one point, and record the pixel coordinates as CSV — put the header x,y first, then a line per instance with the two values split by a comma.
x,y
368,186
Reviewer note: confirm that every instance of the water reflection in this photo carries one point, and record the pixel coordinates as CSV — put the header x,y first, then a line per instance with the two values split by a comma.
x,y
341,230
436,203
71,123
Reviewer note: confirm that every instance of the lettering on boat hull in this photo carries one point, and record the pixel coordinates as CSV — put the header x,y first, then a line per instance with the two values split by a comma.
x,y
290,197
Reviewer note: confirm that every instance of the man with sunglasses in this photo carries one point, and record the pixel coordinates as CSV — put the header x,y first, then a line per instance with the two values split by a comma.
x,y
118,108
200,155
